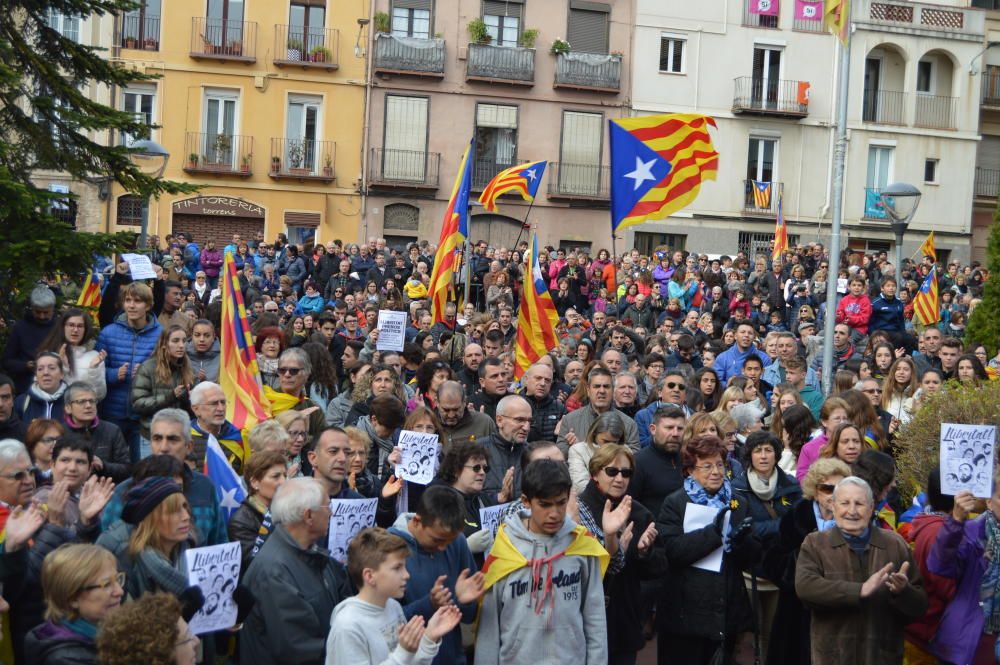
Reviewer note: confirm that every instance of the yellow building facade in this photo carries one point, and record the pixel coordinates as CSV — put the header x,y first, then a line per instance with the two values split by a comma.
x,y
259,101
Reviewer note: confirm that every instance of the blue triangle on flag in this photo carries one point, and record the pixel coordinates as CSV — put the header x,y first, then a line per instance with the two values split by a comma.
x,y
635,169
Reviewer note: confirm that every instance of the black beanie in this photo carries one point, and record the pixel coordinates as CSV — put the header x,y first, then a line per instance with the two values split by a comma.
x,y
143,497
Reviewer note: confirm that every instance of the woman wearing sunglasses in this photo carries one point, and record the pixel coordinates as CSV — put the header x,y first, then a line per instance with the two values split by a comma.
x,y
628,532
607,429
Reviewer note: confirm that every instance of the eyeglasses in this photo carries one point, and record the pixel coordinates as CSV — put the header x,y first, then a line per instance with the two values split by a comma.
x,y
291,371
729,435
478,468
19,476
297,435
872,391
709,468
826,488
118,579
675,386
50,440
613,472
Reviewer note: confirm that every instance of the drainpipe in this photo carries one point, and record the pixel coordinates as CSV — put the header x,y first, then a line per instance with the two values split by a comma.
x,y
366,130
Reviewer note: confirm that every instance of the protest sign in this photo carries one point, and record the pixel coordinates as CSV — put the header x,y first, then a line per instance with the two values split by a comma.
x,y
347,517
139,266
420,457
215,570
491,518
967,458
391,330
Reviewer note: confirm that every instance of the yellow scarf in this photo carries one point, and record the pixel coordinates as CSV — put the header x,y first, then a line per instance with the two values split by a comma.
x,y
280,402
505,558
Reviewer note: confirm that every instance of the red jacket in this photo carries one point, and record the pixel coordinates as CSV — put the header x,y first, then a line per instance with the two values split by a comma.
x,y
940,590
855,311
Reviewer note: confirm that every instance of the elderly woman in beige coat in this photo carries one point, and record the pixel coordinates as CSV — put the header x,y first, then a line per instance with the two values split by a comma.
x,y
860,582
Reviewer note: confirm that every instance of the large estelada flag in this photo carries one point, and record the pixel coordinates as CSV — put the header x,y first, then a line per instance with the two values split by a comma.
x,y
239,375
536,321
780,232
658,163
926,307
523,179
761,194
454,231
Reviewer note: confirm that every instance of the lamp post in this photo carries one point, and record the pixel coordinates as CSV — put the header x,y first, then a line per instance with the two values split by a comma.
x,y
151,159
900,201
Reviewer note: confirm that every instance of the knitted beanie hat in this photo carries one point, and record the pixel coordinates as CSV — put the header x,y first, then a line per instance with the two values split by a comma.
x,y
143,497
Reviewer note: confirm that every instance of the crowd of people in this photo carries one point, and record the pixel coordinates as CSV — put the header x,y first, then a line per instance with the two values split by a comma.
x,y
673,471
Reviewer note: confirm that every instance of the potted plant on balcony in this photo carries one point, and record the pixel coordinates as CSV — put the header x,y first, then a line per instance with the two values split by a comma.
x,y
235,47
150,44
382,22
131,42
192,160
245,162
328,166
296,153
559,46
275,165
320,54
478,32
294,52
529,37
223,144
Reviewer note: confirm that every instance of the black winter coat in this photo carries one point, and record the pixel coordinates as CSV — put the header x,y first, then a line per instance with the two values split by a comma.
x,y
657,475
109,444
697,602
545,415
49,644
244,527
765,525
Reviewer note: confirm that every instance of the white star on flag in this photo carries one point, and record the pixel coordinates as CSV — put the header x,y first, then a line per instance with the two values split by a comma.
x,y
643,172
229,501
530,174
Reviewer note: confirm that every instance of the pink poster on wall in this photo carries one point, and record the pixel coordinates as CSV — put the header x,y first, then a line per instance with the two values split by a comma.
x,y
764,7
808,10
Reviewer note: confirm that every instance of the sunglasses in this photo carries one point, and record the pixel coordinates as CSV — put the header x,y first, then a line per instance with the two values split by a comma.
x,y
613,472
291,371
676,386
479,468
19,476
826,488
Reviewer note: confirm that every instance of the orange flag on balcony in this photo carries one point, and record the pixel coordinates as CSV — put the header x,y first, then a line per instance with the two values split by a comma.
x,y
837,18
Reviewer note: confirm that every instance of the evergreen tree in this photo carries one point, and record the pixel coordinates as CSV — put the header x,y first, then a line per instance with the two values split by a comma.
x,y
984,324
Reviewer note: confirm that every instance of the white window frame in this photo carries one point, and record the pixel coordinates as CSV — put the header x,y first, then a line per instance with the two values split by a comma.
x,y
937,170
66,25
775,161
674,38
139,89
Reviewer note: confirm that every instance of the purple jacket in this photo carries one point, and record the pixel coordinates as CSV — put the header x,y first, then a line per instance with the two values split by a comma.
x,y
211,262
958,554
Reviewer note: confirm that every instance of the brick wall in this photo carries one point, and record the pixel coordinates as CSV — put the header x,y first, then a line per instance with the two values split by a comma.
x,y
219,229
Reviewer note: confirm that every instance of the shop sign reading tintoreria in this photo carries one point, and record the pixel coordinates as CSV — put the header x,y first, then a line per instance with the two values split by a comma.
x,y
219,206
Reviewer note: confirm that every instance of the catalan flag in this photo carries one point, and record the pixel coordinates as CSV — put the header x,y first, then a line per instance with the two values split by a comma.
x,y
780,232
454,231
536,321
238,372
926,307
90,296
761,193
927,247
523,178
837,18
658,163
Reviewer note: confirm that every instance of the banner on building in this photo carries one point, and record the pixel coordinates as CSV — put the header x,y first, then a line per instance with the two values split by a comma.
x,y
808,10
764,7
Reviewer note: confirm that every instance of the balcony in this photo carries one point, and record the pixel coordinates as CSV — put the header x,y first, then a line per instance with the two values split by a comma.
x,y
760,198
873,206
883,107
404,169
991,86
221,154
302,159
223,39
140,32
500,64
925,19
935,111
409,56
313,48
809,25
579,182
987,183
784,99
589,71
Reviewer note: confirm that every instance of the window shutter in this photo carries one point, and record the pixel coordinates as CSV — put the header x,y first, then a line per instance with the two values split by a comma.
x,y
501,8
588,31
293,218
414,4
406,123
581,138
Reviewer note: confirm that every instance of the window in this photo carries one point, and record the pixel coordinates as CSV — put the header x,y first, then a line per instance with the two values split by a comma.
x,y
130,210
66,25
401,217
588,26
672,54
761,13
877,177
306,23
762,159
496,141
139,100
765,84
411,18
303,131
930,170
141,26
759,244
220,126
986,4
404,156
647,242
63,208
503,21
224,25
925,70
580,153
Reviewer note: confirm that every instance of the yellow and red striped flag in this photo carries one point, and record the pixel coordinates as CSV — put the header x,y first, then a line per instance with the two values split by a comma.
x,y
658,163
536,321
90,296
926,307
454,231
523,179
927,247
238,372
780,231
837,18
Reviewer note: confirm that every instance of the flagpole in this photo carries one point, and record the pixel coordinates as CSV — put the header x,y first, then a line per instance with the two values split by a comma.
x,y
468,256
838,210
530,204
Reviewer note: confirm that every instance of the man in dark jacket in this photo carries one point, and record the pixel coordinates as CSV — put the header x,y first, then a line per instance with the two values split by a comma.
x,y
639,314
546,410
468,375
111,456
294,580
26,335
458,422
658,467
503,449
493,383
11,427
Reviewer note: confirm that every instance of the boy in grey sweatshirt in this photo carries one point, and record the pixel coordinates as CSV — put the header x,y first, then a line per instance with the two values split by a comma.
x,y
370,628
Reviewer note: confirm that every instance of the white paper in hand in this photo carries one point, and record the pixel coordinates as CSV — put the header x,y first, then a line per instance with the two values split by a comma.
x,y
420,457
490,518
215,570
391,330
967,453
139,266
698,517
347,517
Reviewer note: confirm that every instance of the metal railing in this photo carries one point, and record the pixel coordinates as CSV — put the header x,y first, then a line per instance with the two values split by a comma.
x,y
501,63
806,25
883,107
757,20
935,111
589,72
302,158
223,39
775,96
991,85
315,47
873,205
484,170
987,183
579,181
218,153
761,197
140,32
409,54
404,168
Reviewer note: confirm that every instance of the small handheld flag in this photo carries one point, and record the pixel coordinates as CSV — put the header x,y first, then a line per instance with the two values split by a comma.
x,y
90,296
523,178
454,231
926,307
229,486
927,247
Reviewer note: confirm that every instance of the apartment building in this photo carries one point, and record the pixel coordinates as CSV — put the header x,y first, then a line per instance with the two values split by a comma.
x,y
443,73
987,182
767,72
261,103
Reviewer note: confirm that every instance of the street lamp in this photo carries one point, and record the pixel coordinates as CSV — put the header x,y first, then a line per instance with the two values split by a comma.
x,y
900,201
151,159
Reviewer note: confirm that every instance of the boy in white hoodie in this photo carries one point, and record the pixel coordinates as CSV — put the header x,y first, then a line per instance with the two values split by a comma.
x,y
370,628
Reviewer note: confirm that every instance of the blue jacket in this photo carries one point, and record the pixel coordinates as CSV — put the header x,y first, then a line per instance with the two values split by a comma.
x,y
886,315
192,260
424,568
124,345
644,419
730,362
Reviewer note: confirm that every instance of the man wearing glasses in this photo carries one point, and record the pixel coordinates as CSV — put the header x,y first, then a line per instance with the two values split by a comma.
x,y
208,403
17,481
672,391
111,456
294,369
457,420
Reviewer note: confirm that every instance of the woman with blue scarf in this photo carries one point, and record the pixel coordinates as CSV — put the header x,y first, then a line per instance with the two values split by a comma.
x,y
705,608
968,551
82,586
